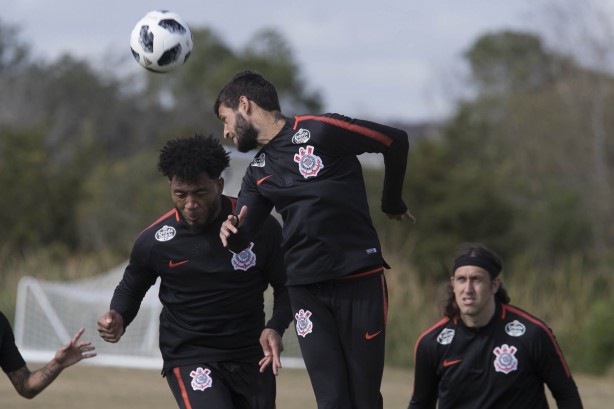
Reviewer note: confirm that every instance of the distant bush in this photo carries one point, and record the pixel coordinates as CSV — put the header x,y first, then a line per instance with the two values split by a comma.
x,y
597,342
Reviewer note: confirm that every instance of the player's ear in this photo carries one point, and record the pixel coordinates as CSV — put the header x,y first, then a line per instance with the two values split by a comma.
x,y
244,104
496,284
220,185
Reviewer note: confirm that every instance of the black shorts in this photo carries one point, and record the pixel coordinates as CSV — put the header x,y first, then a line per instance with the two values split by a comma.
x,y
222,385
341,328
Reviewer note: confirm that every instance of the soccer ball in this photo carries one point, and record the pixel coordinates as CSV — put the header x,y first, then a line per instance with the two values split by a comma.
x,y
161,41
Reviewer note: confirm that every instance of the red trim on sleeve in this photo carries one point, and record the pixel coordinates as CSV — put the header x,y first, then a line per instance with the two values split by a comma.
x,y
428,331
370,133
438,324
545,328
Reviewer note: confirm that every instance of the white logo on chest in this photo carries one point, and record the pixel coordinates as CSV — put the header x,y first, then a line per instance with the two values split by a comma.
x,y
446,336
244,259
302,136
259,162
166,233
515,328
505,360
308,164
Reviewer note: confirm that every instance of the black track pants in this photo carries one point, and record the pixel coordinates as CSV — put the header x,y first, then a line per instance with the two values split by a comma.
x,y
341,328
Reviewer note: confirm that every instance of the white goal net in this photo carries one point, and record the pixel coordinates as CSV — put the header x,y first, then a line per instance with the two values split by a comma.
x,y
48,314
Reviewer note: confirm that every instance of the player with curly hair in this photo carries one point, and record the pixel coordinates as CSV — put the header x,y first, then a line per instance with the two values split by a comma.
x,y
217,350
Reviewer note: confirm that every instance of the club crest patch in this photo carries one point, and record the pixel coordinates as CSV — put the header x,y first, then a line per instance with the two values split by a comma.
x,y
308,164
201,379
505,360
304,325
446,336
244,259
166,233
515,328
302,136
260,161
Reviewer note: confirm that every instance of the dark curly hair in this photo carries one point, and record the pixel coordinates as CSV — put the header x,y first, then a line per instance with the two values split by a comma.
x,y
187,158
451,309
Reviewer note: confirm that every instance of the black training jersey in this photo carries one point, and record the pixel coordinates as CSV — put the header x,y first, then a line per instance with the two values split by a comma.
x,y
311,175
10,357
502,365
213,303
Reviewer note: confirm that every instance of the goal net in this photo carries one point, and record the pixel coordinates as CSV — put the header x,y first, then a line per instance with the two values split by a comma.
x,y
48,314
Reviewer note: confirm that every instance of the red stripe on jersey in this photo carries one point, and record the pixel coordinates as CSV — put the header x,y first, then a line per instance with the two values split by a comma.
x,y
370,133
438,324
428,331
184,393
167,214
544,327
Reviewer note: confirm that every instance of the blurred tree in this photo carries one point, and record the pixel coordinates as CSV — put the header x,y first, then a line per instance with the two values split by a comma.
x,y
452,187
508,62
14,54
548,118
121,198
68,130
39,195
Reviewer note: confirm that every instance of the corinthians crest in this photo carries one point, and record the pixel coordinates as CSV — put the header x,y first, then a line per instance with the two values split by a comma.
x,y
304,325
308,164
505,360
244,259
201,379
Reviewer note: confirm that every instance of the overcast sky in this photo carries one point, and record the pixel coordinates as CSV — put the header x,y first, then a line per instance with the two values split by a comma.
x,y
376,60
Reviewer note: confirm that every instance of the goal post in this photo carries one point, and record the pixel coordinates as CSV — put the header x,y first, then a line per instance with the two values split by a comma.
x,y
47,315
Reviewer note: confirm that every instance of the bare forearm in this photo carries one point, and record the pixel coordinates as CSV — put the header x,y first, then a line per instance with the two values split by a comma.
x,y
29,384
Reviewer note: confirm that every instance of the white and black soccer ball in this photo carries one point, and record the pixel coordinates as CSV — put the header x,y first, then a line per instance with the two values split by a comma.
x,y
161,41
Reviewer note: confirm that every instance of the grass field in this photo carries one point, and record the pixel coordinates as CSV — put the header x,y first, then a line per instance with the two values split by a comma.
x,y
92,387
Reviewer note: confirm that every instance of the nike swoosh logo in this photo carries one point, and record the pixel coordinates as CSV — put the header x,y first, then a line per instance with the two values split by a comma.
x,y
371,336
259,181
447,363
172,264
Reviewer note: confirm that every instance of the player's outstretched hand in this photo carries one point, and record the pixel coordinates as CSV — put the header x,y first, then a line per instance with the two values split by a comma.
x,y
272,346
231,225
74,351
111,326
404,216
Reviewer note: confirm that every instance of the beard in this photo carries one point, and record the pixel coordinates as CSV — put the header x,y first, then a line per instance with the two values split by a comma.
x,y
246,133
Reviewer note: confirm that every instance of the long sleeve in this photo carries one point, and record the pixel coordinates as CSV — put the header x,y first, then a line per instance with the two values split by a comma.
x,y
357,136
556,374
282,311
426,381
131,290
